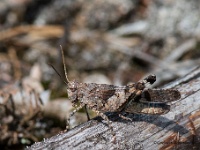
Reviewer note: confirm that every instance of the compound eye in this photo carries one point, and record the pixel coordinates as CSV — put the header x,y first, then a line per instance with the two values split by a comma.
x,y
72,87
72,94
71,91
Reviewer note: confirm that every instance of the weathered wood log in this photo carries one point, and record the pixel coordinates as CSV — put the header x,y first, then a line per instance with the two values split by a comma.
x,y
178,129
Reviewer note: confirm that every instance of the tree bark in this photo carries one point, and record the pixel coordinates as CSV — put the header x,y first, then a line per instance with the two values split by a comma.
x,y
178,129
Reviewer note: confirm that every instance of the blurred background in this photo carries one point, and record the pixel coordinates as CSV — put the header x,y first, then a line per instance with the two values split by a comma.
x,y
104,41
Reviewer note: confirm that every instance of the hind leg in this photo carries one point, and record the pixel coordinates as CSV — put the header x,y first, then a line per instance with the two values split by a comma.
x,y
109,125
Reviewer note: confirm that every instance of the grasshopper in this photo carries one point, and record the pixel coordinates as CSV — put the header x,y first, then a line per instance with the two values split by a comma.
x,y
132,98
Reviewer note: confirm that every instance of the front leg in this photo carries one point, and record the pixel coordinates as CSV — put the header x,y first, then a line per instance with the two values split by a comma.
x,y
71,114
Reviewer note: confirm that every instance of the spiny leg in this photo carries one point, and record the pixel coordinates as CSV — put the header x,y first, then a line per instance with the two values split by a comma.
x,y
138,93
71,114
142,90
124,117
140,87
133,97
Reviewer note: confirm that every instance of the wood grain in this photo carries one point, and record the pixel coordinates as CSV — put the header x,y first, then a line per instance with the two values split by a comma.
x,y
178,129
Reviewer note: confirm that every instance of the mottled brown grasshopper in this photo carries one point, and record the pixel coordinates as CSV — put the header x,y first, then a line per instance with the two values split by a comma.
x,y
132,98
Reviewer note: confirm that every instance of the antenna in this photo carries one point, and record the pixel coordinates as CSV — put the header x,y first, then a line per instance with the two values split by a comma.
x,y
64,66
58,73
